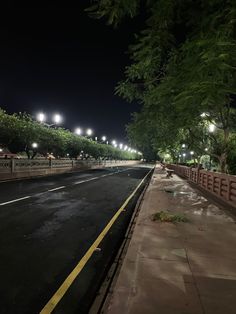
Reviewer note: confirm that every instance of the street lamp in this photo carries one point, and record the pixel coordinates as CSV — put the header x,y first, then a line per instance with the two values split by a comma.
x,y
211,128
89,132
1,150
104,138
183,146
78,131
191,153
121,145
41,117
113,143
34,145
57,118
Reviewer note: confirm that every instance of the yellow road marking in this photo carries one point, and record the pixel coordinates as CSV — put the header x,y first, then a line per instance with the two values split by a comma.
x,y
55,299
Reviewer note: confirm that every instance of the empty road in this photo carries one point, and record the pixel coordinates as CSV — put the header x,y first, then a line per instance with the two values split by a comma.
x,y
59,235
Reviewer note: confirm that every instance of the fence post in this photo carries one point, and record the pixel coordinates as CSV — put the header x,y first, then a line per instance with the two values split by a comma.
x,y
12,165
197,175
229,189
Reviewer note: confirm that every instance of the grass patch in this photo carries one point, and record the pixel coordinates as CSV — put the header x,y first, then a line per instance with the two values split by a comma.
x,y
167,217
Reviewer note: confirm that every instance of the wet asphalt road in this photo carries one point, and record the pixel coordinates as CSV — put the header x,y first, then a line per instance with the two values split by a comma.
x,y
48,224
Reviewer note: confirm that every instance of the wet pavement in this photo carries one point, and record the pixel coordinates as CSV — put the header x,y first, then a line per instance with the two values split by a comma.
x,y
43,236
181,268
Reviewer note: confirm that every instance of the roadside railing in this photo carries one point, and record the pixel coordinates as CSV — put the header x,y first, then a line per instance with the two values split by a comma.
x,y
221,185
16,168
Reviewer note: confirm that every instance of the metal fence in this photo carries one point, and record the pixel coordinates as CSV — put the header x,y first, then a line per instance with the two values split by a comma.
x,y
221,185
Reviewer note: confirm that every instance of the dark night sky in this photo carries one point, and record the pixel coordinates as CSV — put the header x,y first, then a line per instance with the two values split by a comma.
x,y
57,59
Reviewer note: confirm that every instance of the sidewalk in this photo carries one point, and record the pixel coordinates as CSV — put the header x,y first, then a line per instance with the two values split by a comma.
x,y
182,268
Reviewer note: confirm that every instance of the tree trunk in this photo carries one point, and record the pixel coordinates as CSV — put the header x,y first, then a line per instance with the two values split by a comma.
x,y
223,162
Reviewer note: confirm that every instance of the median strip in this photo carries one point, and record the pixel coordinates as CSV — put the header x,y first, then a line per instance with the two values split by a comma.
x,y
56,298
16,200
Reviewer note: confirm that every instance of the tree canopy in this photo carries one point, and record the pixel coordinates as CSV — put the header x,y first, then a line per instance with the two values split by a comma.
x,y
182,73
19,131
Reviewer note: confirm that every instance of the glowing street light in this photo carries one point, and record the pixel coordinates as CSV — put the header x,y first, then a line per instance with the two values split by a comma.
x,y
183,145
89,132
206,149
104,138
41,117
184,154
34,145
1,150
211,128
121,145
57,118
114,143
78,131
126,147
191,153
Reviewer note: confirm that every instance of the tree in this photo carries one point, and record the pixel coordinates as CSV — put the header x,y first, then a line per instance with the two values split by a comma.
x,y
19,131
183,65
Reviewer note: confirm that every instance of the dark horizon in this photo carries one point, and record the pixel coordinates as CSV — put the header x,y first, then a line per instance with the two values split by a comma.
x,y
57,59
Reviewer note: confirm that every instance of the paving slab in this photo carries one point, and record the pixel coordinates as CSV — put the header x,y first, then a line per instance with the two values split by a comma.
x,y
182,268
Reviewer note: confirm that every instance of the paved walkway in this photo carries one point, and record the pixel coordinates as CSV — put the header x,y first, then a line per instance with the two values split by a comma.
x,y
183,268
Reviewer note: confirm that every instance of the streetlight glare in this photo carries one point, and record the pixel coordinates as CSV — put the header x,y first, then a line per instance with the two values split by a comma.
x,y
89,132
211,128
184,154
126,147
41,117
34,145
183,145
121,145
104,138
113,142
78,131
57,118
191,153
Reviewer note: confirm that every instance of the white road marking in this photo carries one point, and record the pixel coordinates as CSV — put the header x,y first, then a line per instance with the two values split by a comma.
x,y
79,182
16,200
59,188
63,186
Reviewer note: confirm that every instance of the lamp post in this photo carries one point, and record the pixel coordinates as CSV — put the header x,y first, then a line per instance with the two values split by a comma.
x,y
211,128
41,117
34,145
78,131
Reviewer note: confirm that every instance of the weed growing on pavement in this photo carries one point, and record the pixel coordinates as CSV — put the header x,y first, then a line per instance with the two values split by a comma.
x,y
167,217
